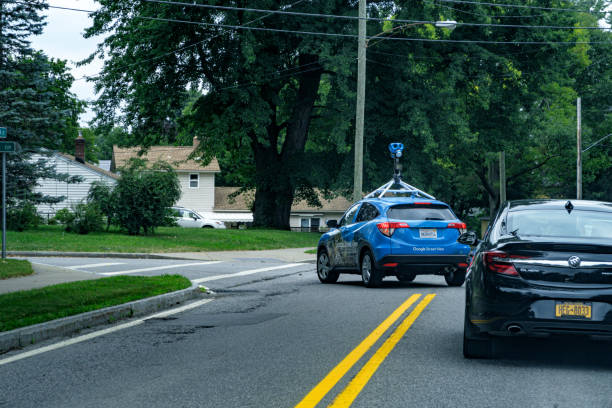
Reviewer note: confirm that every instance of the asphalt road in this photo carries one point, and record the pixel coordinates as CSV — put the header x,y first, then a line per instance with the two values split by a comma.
x,y
279,338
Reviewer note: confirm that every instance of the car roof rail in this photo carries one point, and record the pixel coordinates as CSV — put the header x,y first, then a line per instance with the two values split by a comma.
x,y
396,185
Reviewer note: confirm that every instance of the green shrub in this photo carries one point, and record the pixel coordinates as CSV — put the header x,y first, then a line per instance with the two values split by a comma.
x,y
64,216
87,218
22,217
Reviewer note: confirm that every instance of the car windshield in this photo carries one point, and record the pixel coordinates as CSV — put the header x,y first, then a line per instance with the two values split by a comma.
x,y
560,223
420,212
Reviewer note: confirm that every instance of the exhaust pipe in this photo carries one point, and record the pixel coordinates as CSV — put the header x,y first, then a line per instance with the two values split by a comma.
x,y
515,329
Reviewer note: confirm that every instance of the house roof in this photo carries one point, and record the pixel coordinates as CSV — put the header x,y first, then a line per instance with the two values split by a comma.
x,y
244,202
89,166
176,156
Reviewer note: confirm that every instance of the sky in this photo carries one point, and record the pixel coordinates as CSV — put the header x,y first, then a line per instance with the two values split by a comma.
x,y
63,38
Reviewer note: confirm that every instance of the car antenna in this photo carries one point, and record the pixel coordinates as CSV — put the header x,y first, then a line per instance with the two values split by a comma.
x,y
396,185
569,206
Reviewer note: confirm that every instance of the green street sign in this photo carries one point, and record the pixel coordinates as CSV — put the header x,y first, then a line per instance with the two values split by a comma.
x,y
2,133
8,147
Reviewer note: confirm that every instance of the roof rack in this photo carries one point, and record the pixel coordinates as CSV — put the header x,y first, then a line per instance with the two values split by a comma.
x,y
396,185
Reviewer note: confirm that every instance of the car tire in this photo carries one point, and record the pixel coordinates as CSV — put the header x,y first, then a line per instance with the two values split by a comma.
x,y
455,278
475,344
325,272
370,275
207,226
405,277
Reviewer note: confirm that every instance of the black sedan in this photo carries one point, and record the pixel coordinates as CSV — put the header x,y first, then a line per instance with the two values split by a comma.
x,y
543,268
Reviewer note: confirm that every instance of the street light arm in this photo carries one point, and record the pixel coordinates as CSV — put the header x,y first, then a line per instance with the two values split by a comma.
x,y
597,142
450,24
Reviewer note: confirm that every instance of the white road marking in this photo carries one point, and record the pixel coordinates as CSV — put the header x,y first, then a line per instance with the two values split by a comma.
x,y
244,273
96,265
158,268
102,332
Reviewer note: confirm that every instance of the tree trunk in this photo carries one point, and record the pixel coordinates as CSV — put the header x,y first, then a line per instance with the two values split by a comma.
x,y
276,171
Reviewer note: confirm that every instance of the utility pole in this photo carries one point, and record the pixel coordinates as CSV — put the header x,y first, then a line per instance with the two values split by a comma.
x,y
579,150
502,177
359,119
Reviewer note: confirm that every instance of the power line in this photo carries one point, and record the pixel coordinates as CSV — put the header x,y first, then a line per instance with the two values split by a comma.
x,y
278,30
481,14
336,16
516,6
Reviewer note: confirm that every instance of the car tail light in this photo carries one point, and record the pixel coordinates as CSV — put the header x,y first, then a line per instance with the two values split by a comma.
x,y
388,228
501,262
458,225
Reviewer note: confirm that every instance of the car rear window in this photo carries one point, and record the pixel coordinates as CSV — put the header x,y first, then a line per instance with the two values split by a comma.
x,y
420,212
560,223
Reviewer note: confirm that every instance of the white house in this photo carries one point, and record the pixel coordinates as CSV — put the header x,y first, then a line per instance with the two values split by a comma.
x,y
197,181
74,166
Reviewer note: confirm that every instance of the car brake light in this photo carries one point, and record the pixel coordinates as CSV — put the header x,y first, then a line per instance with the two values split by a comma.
x,y
458,225
388,228
501,262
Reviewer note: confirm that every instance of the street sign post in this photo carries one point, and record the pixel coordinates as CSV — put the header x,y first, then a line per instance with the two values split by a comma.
x,y
5,147
2,133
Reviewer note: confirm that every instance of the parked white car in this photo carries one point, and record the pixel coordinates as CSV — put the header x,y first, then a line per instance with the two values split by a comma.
x,y
190,219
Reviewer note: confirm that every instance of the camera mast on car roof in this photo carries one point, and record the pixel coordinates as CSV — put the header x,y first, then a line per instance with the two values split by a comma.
x,y
397,187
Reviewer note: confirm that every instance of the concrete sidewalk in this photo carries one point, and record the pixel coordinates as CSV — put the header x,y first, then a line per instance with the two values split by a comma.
x,y
44,275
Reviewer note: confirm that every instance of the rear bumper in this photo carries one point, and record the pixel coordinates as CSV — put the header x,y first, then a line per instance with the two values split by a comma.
x,y
422,264
534,312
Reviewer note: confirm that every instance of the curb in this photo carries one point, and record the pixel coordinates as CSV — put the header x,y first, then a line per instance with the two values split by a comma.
x,y
125,255
68,325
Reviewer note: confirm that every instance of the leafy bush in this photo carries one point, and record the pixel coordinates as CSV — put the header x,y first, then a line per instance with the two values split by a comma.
x,y
105,198
141,198
87,218
22,217
64,216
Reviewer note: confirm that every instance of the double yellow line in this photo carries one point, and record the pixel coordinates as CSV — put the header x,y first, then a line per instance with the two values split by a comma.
x,y
352,390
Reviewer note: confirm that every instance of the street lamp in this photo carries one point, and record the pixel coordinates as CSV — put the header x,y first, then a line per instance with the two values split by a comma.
x,y
361,80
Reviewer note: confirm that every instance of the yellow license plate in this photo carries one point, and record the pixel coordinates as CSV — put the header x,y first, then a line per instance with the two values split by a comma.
x,y
573,309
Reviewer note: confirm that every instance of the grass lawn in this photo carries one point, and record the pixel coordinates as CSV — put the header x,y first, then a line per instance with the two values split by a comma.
x,y
29,307
12,268
165,239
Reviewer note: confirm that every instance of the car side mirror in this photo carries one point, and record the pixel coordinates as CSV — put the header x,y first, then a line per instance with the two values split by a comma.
x,y
468,238
332,224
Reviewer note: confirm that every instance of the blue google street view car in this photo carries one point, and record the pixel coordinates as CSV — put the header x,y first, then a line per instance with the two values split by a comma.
x,y
397,230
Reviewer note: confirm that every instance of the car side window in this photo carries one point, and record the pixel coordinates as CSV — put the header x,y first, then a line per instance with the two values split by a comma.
x,y
348,216
366,213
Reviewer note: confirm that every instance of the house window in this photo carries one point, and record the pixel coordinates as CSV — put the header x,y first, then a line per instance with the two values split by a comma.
x,y
305,224
194,180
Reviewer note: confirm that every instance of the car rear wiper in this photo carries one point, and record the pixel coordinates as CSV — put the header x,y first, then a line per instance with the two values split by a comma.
x,y
512,235
434,219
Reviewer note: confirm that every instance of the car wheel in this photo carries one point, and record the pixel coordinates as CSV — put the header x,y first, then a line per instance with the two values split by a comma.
x,y
370,275
475,345
455,278
405,277
325,271
207,226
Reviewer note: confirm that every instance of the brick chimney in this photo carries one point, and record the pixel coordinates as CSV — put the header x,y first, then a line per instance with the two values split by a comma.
x,y
79,148
196,142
